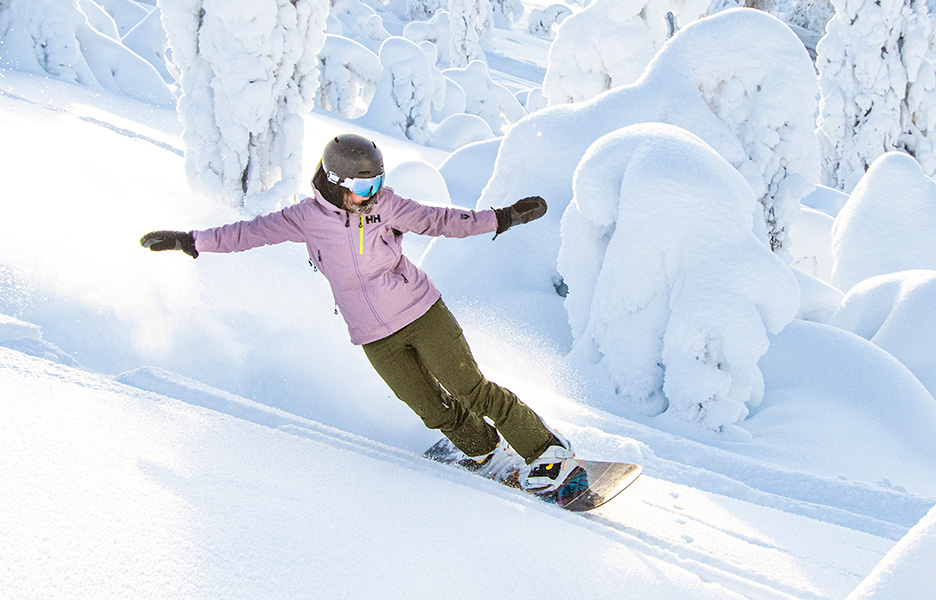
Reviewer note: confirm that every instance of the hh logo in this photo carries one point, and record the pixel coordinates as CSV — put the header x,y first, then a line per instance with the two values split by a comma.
x,y
371,219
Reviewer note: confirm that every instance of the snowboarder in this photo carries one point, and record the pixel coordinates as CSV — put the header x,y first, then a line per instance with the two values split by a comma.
x,y
353,227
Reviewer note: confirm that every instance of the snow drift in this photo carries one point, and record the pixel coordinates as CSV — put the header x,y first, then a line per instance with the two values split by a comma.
x,y
670,290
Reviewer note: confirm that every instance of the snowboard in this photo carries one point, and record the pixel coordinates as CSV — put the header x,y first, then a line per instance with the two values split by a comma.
x,y
605,479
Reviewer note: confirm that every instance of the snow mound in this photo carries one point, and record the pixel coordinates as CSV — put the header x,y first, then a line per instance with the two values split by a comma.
x,y
27,338
811,247
895,312
888,223
12,329
670,291
907,570
875,406
818,299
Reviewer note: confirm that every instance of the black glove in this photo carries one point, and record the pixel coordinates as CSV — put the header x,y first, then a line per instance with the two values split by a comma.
x,y
520,212
170,240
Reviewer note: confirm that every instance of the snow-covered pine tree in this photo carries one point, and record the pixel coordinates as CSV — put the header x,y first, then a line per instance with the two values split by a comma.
x,y
472,27
506,12
483,97
543,22
416,10
409,86
604,46
247,69
348,74
877,87
436,30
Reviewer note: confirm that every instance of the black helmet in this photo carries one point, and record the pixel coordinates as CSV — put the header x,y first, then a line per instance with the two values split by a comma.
x,y
351,156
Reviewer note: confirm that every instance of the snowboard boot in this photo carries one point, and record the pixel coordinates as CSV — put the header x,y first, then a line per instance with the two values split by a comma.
x,y
552,469
476,463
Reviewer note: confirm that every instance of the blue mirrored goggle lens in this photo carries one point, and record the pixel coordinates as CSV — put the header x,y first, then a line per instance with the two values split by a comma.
x,y
364,187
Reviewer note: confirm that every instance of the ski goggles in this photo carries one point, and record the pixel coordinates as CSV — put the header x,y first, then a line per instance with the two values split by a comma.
x,y
364,187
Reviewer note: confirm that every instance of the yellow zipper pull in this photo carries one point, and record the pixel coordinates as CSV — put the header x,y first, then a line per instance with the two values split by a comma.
x,y
362,234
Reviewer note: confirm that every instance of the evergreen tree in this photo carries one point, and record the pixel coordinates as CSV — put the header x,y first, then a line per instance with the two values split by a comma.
x,y
472,25
248,69
877,87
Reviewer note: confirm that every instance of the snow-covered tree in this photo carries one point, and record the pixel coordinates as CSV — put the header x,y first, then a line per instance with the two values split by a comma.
x,y
409,86
807,18
608,45
673,295
878,88
348,74
543,21
472,30
602,47
436,30
717,77
492,102
416,10
75,41
359,22
812,15
780,142
506,12
248,69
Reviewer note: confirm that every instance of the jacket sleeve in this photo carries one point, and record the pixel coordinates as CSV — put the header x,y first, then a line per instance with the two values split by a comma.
x,y
286,225
409,215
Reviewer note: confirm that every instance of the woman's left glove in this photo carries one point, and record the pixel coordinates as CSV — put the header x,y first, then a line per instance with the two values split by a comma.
x,y
520,212
170,240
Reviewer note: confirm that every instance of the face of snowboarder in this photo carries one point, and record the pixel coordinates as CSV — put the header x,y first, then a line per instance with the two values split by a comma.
x,y
357,204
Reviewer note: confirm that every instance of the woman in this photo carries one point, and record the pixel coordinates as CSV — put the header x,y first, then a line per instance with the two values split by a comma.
x,y
353,228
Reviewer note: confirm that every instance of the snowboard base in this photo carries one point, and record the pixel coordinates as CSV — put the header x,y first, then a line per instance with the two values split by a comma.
x,y
605,479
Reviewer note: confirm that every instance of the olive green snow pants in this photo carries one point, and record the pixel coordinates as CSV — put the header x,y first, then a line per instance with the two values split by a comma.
x,y
429,366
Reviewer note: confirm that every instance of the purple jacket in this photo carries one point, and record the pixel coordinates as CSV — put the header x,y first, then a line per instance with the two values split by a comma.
x,y
378,290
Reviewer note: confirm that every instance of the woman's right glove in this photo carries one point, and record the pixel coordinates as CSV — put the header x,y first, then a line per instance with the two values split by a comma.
x,y
170,240
520,212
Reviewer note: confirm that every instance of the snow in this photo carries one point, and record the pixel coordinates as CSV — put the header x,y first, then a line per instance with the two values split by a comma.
x,y
203,429
606,45
877,80
348,75
76,41
471,30
908,562
888,223
656,219
492,102
895,311
247,71
409,87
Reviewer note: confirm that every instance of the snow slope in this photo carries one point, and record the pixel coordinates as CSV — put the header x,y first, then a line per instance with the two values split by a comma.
x,y
156,499
115,492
